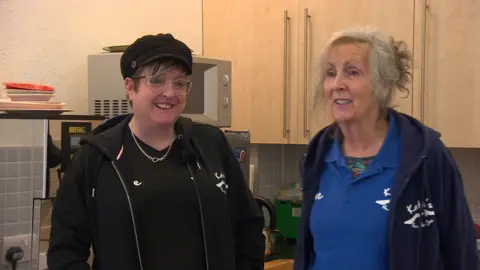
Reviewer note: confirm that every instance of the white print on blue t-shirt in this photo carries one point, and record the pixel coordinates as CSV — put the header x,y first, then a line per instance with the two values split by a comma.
x,y
385,202
318,196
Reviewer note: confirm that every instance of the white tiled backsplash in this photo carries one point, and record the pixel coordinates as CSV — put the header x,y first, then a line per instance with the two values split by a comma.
x,y
271,175
20,181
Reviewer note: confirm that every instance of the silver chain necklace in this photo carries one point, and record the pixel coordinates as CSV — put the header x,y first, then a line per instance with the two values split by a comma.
x,y
153,159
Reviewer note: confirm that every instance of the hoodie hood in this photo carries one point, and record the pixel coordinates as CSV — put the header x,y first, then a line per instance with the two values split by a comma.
x,y
108,137
416,139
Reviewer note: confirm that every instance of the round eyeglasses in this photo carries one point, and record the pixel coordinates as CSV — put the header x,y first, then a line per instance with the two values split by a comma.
x,y
158,84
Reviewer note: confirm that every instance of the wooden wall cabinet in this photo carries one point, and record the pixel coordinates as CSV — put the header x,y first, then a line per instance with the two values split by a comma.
x,y
260,38
322,18
227,34
275,48
452,71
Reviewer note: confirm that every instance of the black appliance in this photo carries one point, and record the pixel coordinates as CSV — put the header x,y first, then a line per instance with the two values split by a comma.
x,y
240,143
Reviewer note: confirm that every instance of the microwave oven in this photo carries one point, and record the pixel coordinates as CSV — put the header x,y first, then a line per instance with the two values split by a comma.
x,y
209,101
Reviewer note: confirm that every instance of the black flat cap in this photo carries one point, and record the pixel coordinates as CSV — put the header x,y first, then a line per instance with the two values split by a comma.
x,y
154,47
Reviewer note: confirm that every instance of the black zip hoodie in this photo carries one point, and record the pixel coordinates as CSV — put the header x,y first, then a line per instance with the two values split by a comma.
x,y
232,225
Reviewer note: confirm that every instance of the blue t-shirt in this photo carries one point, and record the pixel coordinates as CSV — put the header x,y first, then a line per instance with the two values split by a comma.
x,y
349,217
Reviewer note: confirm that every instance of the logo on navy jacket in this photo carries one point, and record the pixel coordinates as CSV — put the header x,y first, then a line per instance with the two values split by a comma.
x,y
421,214
221,184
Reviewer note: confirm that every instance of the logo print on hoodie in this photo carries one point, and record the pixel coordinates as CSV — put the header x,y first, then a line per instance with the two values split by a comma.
x,y
221,185
421,214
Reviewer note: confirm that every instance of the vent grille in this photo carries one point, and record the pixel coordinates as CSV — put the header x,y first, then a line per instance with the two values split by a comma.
x,y
110,108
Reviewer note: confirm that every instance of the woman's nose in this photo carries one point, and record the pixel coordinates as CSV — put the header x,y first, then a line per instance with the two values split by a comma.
x,y
338,83
168,90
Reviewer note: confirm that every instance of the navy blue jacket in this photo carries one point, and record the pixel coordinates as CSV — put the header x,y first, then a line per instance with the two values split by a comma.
x,y
430,226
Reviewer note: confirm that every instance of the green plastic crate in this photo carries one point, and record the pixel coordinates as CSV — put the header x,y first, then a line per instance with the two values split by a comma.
x,y
288,217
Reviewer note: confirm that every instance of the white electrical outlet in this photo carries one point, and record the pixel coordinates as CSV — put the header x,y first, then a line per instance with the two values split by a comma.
x,y
22,241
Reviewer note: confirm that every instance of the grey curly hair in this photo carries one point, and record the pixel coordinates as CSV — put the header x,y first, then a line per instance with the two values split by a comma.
x,y
389,62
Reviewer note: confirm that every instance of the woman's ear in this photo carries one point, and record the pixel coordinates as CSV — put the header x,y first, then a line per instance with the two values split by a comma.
x,y
129,87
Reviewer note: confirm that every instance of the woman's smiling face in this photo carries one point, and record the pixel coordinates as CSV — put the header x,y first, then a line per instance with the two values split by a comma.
x,y
347,84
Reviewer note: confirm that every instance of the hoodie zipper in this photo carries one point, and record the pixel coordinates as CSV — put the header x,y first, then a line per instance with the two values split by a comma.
x,y
139,255
201,212
404,185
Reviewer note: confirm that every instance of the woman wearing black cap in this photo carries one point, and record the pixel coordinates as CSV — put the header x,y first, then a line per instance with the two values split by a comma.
x,y
154,190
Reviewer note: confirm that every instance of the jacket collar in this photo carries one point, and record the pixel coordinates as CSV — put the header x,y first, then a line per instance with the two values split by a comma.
x,y
108,137
416,140
387,156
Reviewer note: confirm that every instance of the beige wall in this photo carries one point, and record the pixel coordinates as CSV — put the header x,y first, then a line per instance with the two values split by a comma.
x,y
48,41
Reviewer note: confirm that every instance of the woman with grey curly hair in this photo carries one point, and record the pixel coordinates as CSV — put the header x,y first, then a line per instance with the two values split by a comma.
x,y
381,191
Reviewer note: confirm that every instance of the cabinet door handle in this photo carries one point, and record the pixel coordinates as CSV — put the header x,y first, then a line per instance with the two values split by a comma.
x,y
286,20
423,70
305,75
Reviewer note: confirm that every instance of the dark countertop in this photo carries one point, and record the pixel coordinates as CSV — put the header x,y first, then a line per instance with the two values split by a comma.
x,y
39,116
